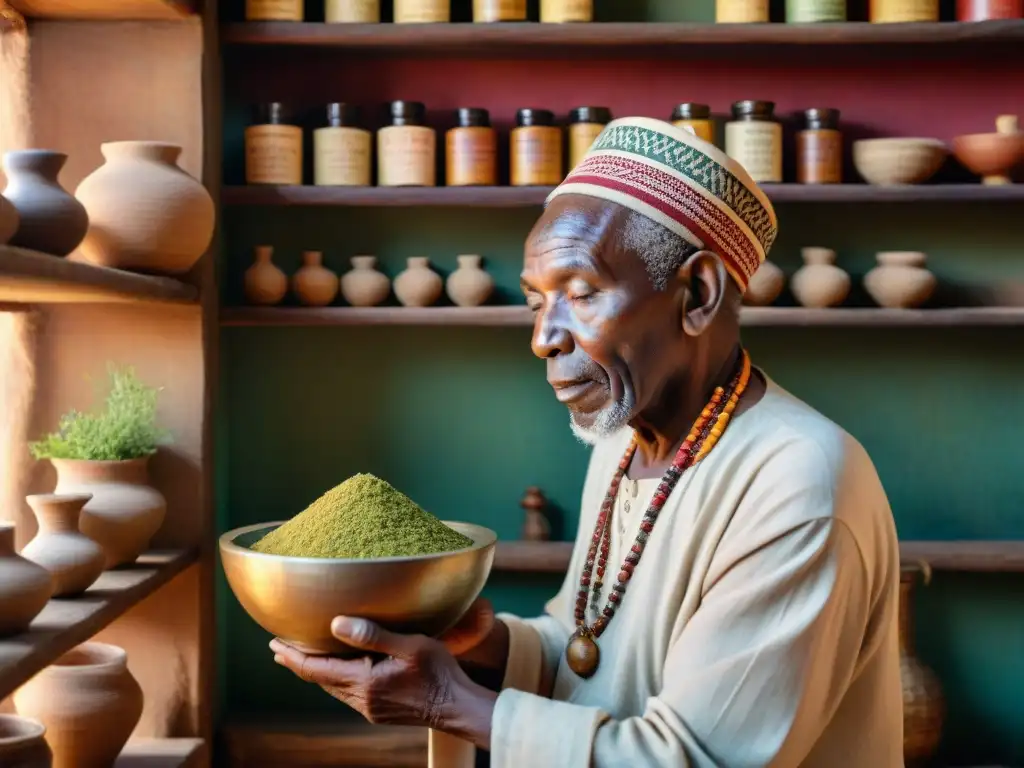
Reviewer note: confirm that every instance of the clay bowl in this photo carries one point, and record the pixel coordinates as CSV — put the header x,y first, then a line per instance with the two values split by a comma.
x,y
295,598
885,162
990,155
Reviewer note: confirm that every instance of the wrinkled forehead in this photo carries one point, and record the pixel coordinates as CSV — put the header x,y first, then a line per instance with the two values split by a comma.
x,y
579,229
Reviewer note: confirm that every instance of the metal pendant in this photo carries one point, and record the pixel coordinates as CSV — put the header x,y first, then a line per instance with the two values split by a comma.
x,y
582,654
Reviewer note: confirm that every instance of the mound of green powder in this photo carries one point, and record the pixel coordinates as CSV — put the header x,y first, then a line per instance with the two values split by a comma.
x,y
364,517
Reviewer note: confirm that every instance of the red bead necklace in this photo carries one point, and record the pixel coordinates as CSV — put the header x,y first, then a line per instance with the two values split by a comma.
x,y
582,653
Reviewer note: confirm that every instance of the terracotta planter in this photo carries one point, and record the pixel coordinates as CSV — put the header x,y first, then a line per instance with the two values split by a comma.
x,y
765,286
8,220
145,213
469,285
89,703
73,559
900,280
22,743
314,284
924,708
25,587
364,285
265,283
124,512
418,285
820,283
49,219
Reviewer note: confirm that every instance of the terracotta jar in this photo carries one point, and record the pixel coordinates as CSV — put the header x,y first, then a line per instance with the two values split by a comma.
x,y
364,285
8,220
89,703
49,219
469,285
985,10
25,587
264,282
536,526
924,707
23,743
124,512
820,283
145,213
900,281
314,284
765,286
73,559
418,285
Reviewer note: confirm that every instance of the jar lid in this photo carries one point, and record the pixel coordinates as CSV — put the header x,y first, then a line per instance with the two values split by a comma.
x,y
473,117
340,115
529,117
690,110
598,115
753,110
272,113
408,113
822,119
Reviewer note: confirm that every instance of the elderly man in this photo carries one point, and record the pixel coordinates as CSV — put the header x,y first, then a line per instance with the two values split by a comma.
x,y
732,595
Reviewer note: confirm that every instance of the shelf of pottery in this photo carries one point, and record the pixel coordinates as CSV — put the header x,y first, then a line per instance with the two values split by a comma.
x,y
90,562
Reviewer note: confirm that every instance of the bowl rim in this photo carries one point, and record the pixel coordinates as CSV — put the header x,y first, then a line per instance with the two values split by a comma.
x,y
988,135
922,140
485,538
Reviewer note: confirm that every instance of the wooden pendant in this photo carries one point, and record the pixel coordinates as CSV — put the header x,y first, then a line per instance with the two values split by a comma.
x,y
582,654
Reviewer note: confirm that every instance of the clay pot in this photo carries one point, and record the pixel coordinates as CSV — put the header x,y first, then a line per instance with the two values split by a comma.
x,y
924,708
73,559
25,587
900,280
418,285
49,219
314,284
819,283
124,512
536,526
8,220
264,282
89,703
22,743
145,213
469,285
886,162
992,155
765,285
363,285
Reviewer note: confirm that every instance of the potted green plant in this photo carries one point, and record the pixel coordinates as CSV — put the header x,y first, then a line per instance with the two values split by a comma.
x,y
106,453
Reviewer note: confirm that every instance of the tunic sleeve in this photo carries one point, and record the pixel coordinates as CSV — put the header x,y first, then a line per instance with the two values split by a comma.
x,y
751,680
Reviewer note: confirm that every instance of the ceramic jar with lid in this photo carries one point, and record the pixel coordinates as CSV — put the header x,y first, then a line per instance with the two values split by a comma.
x,y
819,148
753,138
900,281
585,125
471,150
895,11
696,119
741,11
422,11
536,149
352,11
342,149
499,10
273,147
407,148
562,11
810,11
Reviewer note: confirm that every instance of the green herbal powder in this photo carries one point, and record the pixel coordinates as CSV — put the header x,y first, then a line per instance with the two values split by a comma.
x,y
364,517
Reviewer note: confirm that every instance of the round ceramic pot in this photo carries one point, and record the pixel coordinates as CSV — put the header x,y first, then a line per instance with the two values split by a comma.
x,y
314,284
469,285
364,285
49,219
124,512
73,559
25,587
145,213
900,280
418,285
820,283
264,282
765,285
89,703
22,743
8,220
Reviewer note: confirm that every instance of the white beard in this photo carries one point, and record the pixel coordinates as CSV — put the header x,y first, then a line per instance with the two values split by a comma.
x,y
608,421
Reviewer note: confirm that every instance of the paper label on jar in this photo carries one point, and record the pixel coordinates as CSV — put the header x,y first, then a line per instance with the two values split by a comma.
x,y
352,11
273,10
405,156
557,11
801,11
757,146
883,11
273,154
341,157
536,156
421,11
472,157
741,11
499,10
581,138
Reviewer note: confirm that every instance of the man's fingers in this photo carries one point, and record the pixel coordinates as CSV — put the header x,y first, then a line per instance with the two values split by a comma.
x,y
367,636
322,670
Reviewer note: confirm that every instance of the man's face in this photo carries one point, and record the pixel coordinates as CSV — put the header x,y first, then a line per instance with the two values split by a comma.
x,y
609,338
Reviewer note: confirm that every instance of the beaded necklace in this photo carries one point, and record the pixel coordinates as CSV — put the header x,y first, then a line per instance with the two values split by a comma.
x,y
582,653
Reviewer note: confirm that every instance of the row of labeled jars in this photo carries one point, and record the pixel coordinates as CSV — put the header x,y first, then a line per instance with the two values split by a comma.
x,y
314,285
879,12
419,11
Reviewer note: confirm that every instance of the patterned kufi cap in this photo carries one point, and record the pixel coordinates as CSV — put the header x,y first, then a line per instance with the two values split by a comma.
x,y
683,183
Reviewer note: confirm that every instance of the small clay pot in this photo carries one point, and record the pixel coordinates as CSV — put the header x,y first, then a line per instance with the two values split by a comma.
x,y
820,283
900,280
314,284
50,219
8,220
25,587
992,155
469,285
418,285
765,285
23,743
364,285
265,283
73,559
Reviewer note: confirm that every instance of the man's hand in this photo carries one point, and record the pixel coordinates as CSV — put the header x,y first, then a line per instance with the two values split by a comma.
x,y
472,629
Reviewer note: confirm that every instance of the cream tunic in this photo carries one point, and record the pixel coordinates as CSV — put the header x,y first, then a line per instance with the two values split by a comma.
x,y
758,630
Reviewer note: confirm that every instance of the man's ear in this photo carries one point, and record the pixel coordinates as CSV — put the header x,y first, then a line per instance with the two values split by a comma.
x,y
702,282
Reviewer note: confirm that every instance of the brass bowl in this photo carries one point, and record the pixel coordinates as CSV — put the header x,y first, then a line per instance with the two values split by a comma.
x,y
295,598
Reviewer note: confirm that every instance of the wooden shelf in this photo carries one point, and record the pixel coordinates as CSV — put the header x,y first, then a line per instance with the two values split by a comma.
x,y
528,197
64,623
163,753
107,10
973,556
31,277
518,315
609,38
